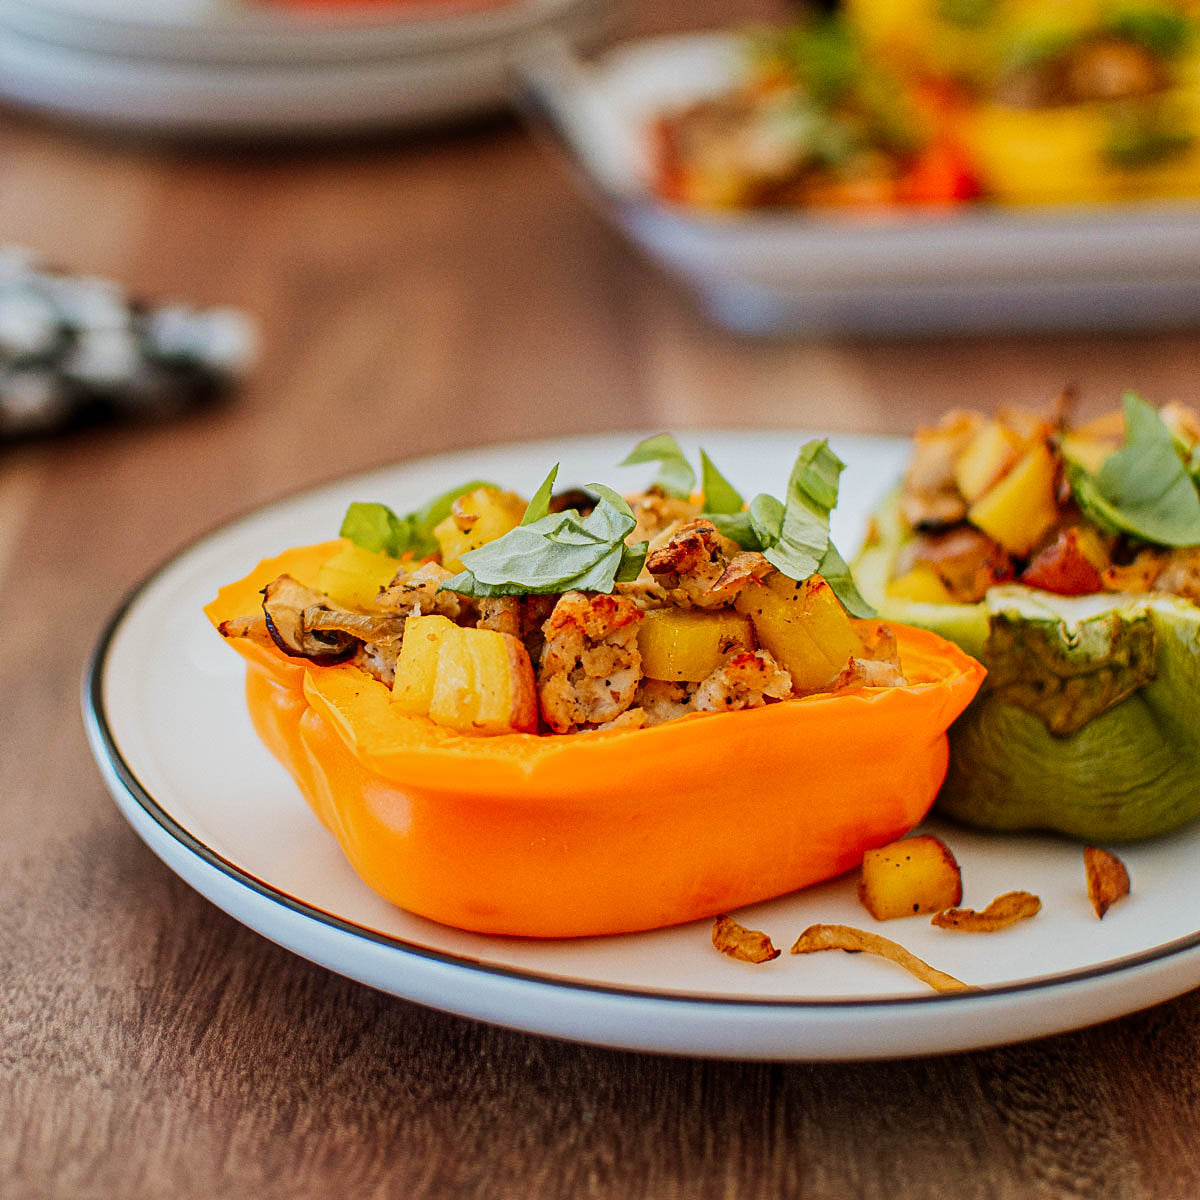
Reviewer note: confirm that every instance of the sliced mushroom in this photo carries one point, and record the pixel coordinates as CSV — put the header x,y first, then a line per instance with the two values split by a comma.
x,y
286,606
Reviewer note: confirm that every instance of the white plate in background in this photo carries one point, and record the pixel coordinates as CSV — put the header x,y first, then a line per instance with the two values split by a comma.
x,y
167,723
258,32
973,269
211,69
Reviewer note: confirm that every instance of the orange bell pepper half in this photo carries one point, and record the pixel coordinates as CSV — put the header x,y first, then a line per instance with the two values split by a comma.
x,y
601,832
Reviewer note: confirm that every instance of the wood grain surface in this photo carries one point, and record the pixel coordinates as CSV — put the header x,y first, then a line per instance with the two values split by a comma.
x,y
414,294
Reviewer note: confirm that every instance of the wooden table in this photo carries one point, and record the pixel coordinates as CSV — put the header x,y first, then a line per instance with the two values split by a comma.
x,y
416,294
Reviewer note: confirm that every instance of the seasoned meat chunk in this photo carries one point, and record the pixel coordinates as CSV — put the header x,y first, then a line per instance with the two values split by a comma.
x,y
590,663
521,616
415,594
747,679
697,567
966,560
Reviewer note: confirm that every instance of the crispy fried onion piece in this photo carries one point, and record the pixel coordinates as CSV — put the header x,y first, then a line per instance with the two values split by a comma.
x,y
1107,878
855,941
1003,911
590,663
252,627
748,945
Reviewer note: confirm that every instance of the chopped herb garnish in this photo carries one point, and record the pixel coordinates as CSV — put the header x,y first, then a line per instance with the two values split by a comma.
x,y
1144,489
559,552
720,496
539,506
675,475
549,553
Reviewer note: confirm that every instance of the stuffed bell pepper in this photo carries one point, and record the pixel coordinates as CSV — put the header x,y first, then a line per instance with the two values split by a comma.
x,y
589,713
1067,560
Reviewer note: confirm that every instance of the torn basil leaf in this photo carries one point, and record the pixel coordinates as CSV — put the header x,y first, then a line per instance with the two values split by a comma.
x,y
803,534
675,474
720,496
1143,489
801,545
559,552
376,528
539,506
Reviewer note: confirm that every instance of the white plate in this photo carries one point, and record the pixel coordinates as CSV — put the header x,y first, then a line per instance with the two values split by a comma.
x,y
257,32
912,272
214,70
169,729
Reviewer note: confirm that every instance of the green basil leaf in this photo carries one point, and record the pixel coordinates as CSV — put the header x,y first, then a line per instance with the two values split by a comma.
x,y
376,528
738,527
600,577
555,553
720,496
465,584
1142,489
766,519
836,573
539,506
633,558
812,493
675,476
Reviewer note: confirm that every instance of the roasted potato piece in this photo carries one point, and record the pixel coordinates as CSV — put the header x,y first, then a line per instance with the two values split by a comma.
x,y
353,577
803,625
921,584
748,945
1020,509
687,645
475,519
476,680
913,875
1003,911
1107,878
992,450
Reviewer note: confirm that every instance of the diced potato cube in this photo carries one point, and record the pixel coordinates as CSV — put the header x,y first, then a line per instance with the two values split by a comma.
x,y
990,453
475,519
913,875
687,645
475,680
353,576
803,625
922,584
1088,452
505,695
1020,509
417,666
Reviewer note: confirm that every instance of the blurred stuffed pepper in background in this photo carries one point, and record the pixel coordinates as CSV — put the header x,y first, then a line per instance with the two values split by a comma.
x,y
1086,102
814,122
1068,561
